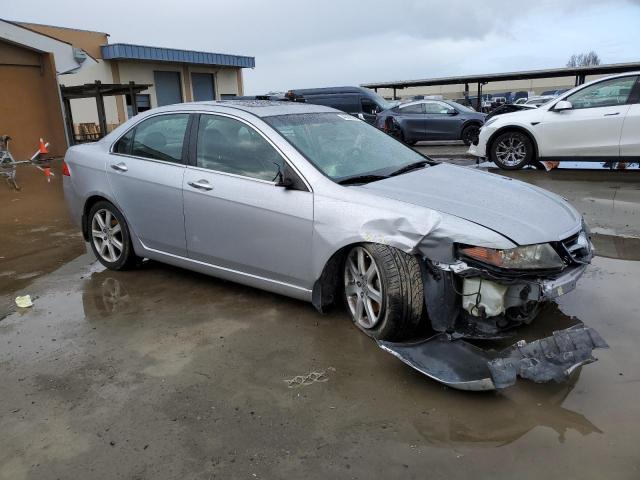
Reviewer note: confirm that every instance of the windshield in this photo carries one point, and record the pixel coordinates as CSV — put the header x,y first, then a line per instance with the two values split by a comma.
x,y
341,146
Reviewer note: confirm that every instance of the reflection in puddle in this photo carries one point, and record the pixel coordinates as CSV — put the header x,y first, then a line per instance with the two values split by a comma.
x,y
440,416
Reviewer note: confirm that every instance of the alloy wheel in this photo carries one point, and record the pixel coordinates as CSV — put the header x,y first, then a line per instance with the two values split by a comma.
x,y
511,151
363,288
106,233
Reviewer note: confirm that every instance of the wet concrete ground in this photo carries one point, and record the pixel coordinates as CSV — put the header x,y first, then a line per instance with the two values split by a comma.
x,y
163,373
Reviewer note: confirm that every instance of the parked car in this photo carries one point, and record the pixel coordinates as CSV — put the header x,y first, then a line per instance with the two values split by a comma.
x,y
538,100
309,202
508,108
358,101
420,120
521,101
598,121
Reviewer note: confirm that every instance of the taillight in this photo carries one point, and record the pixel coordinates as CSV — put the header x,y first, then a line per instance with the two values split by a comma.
x,y
65,169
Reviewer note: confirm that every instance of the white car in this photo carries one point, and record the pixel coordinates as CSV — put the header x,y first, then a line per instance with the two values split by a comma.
x,y
598,121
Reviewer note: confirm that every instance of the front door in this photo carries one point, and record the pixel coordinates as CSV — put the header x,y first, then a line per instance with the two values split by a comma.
x,y
592,128
442,121
145,173
235,215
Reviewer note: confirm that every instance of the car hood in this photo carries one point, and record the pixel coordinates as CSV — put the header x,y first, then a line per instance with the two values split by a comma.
x,y
521,212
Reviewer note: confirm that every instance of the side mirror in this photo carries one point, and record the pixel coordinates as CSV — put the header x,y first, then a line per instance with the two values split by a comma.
x,y
282,179
284,182
360,116
452,112
562,105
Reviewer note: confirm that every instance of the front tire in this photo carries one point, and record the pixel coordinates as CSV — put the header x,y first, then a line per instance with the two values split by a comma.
x,y
383,291
109,237
469,134
512,150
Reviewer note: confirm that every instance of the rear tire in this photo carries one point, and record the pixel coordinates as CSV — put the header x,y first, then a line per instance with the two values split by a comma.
x,y
110,238
383,291
512,150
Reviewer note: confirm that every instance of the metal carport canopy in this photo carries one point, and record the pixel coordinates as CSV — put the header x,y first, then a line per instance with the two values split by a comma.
x,y
578,72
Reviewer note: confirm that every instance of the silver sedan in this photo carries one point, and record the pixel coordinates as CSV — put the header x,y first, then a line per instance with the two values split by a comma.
x,y
309,202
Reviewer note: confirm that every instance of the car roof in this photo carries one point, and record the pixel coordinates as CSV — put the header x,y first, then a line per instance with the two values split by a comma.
x,y
328,90
259,108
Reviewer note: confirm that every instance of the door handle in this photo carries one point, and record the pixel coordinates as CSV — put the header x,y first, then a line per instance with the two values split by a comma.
x,y
611,114
201,185
121,167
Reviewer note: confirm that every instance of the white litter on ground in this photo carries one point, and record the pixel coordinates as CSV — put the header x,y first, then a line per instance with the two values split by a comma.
x,y
24,301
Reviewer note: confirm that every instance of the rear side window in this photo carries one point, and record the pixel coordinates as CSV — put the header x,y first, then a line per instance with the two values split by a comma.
x,y
160,138
228,145
124,144
415,108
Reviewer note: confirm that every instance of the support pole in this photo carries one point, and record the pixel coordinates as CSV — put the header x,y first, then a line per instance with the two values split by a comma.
x,y
395,97
102,117
479,99
68,120
134,100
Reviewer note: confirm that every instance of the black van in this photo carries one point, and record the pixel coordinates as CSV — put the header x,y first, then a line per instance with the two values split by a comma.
x,y
360,102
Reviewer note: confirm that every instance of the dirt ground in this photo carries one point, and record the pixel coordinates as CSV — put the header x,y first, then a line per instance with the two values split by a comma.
x,y
161,373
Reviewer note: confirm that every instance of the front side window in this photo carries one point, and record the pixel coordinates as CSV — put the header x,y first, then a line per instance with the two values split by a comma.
x,y
604,94
341,146
161,137
439,108
228,145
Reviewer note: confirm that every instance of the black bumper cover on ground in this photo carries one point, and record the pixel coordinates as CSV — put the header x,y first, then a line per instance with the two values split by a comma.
x,y
462,365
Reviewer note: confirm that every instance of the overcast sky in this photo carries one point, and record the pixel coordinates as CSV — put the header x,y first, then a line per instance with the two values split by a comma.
x,y
331,42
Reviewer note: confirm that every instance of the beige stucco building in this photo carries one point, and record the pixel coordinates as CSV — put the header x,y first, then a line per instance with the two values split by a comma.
x,y
35,60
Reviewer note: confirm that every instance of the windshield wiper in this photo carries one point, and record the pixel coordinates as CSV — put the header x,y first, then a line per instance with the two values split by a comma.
x,y
361,179
411,166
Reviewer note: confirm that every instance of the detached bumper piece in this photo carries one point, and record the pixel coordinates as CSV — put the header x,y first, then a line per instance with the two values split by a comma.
x,y
464,366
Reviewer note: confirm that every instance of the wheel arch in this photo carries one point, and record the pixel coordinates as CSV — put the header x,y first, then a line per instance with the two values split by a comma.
x,y
328,287
515,128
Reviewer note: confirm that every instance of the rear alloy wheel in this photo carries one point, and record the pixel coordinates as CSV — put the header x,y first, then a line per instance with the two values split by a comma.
x,y
383,291
512,151
470,134
110,239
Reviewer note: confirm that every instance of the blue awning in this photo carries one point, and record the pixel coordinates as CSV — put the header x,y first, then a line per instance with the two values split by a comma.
x,y
125,51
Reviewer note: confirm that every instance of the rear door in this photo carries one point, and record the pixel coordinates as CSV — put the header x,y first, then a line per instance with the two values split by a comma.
x,y
412,120
145,171
592,128
235,216
442,121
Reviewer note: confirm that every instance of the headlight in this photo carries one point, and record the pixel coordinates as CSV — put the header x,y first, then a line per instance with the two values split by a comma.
x,y
530,257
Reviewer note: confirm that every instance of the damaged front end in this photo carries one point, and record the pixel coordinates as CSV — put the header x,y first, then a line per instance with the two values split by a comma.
x,y
480,296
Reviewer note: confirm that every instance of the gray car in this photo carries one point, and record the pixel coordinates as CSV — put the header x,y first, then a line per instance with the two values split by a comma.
x,y
420,120
313,203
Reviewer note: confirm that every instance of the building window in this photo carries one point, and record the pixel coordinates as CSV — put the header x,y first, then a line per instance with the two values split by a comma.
x,y
143,100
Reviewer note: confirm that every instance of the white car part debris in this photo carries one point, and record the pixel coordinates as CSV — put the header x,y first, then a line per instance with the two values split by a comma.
x,y
483,297
464,366
24,301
